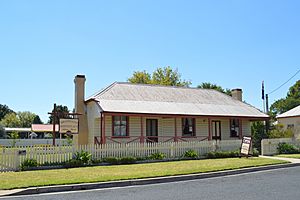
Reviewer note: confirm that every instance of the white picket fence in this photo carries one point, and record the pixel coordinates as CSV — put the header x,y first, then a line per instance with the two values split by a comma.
x,y
11,158
269,146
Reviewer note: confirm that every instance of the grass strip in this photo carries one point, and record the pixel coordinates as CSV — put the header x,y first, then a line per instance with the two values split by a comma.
x,y
297,156
13,180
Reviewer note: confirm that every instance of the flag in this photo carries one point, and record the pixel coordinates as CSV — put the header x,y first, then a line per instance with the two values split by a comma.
x,y
263,91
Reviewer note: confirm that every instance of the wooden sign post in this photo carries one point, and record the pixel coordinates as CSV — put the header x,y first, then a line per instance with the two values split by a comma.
x,y
56,120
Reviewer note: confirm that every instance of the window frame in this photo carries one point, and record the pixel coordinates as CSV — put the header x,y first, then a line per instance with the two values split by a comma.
x,y
193,126
290,126
120,126
233,127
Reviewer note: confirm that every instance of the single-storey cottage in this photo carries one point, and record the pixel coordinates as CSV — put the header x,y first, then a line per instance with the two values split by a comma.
x,y
291,120
126,112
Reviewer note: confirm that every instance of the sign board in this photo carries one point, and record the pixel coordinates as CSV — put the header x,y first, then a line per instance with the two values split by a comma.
x,y
246,145
68,126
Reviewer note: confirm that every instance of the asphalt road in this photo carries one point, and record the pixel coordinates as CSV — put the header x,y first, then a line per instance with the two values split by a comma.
x,y
282,184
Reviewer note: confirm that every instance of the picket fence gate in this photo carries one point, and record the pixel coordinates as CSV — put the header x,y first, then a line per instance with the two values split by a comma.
x,y
12,157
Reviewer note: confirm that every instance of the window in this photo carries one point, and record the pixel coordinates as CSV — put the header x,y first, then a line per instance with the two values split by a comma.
x,y
290,126
188,127
120,126
234,128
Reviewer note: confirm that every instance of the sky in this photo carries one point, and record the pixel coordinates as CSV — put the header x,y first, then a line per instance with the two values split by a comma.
x,y
235,44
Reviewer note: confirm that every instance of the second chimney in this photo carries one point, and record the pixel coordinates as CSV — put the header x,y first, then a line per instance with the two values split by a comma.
x,y
237,94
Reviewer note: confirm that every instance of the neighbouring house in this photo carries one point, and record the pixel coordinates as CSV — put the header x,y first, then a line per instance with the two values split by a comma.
x,y
126,112
22,132
41,131
291,120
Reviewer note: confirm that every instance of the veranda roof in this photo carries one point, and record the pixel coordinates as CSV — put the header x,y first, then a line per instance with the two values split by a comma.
x,y
168,100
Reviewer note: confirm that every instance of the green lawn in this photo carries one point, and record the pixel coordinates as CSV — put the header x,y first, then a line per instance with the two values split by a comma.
x,y
12,180
289,155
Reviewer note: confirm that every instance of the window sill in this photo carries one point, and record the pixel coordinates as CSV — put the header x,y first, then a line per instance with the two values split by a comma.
x,y
189,136
120,137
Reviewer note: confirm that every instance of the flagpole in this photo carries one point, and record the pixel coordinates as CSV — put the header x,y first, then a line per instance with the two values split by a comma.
x,y
263,95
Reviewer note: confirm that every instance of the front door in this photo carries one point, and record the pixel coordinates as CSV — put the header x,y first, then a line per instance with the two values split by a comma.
x,y
151,130
216,130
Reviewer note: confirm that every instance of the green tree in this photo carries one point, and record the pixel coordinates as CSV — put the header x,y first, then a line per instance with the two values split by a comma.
x,y
27,118
161,76
11,120
18,120
168,76
14,136
258,132
292,100
62,112
207,85
2,132
140,77
4,110
37,120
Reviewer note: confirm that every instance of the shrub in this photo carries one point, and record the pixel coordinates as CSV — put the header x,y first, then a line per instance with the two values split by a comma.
x,y
255,152
157,156
26,164
112,160
118,161
53,163
73,163
285,148
190,154
128,160
83,156
223,154
278,131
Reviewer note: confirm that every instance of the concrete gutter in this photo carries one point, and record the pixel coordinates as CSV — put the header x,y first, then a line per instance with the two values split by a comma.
x,y
112,184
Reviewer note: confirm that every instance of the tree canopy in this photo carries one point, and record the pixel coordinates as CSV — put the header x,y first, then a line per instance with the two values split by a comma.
x,y
161,76
207,85
11,120
61,113
4,110
2,131
20,119
291,100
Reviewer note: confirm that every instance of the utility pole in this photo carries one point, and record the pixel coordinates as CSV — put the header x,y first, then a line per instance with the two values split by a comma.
x,y
267,108
267,103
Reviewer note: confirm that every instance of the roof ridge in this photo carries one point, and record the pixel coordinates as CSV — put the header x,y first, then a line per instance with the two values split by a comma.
x,y
167,86
102,91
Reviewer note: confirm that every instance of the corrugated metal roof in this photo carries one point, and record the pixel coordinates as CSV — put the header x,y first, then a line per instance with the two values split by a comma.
x,y
156,99
291,113
44,127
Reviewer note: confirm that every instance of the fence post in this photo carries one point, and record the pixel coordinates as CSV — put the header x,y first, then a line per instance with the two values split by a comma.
x,y
262,147
172,150
17,160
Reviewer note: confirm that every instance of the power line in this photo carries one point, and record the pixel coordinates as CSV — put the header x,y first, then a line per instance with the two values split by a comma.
x,y
284,82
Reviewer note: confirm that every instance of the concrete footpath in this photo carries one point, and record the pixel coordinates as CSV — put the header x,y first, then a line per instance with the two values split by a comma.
x,y
112,184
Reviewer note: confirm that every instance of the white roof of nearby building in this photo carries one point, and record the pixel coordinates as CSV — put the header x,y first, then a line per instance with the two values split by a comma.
x,y
169,100
8,129
291,113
